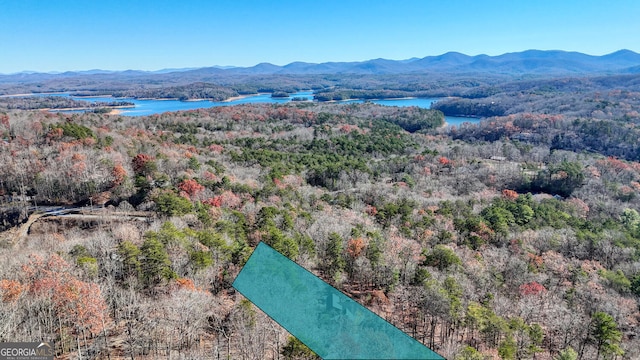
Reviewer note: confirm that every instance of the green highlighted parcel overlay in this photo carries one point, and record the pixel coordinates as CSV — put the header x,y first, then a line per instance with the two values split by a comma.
x,y
330,323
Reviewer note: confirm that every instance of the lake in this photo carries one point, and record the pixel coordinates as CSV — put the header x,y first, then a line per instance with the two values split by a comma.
x,y
423,103
144,107
155,106
459,120
149,107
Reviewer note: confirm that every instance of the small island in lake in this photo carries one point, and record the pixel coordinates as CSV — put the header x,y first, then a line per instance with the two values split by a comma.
x,y
280,94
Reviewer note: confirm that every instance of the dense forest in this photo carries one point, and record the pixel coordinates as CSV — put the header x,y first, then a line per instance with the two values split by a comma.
x,y
517,238
188,92
55,103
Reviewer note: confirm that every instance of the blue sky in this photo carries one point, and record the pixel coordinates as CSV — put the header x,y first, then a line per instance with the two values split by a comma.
x,y
61,35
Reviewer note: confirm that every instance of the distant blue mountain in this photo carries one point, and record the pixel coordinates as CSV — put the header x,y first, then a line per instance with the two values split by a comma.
x,y
530,61
535,62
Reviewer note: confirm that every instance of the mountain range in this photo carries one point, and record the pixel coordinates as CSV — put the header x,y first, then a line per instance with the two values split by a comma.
x,y
534,62
530,61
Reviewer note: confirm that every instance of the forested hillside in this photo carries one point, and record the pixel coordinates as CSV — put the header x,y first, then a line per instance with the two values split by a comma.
x,y
55,102
517,238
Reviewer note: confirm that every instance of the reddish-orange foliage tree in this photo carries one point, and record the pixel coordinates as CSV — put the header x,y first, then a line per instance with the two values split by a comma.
x,y
510,194
89,141
215,148
532,288
371,210
347,128
185,283
214,201
188,284
191,187
10,290
614,164
444,161
79,304
535,261
355,247
209,176
139,162
55,134
119,174
78,157
226,199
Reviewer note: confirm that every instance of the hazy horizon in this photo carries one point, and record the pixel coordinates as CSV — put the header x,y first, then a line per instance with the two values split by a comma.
x,y
167,69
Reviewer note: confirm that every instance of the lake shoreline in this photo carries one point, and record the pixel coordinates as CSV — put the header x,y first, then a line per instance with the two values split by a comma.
x,y
233,98
385,99
166,105
15,95
241,97
230,99
472,120
365,100
95,96
114,108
